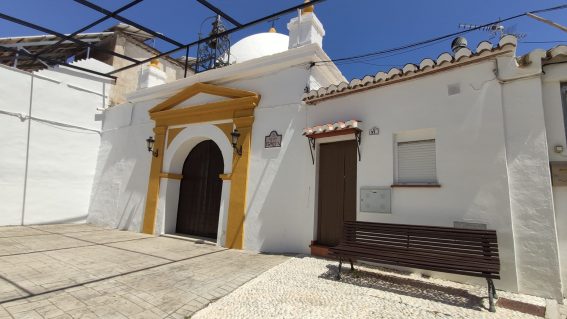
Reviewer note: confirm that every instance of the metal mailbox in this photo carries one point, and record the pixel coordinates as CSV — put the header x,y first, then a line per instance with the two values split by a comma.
x,y
375,200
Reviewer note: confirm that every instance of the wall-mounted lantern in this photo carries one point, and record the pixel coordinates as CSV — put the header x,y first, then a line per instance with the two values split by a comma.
x,y
150,143
235,135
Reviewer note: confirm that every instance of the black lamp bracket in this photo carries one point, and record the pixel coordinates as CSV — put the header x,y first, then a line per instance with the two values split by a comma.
x,y
358,136
311,141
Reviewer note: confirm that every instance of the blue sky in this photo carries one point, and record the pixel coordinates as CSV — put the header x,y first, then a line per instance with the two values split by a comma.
x,y
353,26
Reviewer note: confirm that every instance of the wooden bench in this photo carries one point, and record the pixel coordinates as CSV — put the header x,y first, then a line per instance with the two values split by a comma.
x,y
460,251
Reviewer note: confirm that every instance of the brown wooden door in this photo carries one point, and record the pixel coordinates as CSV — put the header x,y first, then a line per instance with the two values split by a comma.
x,y
337,190
200,191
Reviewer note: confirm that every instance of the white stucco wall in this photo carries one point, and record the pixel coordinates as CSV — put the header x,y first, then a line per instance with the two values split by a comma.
x,y
278,218
531,194
555,130
119,190
15,91
470,151
119,193
483,165
50,159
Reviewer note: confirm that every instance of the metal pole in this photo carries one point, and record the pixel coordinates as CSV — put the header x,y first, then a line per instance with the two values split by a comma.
x,y
546,21
128,21
106,17
219,12
227,32
60,35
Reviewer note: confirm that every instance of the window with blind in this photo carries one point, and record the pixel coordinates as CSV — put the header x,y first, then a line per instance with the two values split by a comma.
x,y
416,162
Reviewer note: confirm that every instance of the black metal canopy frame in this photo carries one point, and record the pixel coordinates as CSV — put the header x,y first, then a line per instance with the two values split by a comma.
x,y
42,54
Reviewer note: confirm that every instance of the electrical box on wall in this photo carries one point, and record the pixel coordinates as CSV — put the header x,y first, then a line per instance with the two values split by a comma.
x,y
559,173
375,200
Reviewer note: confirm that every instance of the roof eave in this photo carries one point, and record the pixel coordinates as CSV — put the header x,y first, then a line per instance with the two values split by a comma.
x,y
252,68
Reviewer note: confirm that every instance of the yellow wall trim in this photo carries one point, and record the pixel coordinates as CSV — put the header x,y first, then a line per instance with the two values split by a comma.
x,y
172,133
239,185
205,112
153,183
225,177
240,109
171,176
197,88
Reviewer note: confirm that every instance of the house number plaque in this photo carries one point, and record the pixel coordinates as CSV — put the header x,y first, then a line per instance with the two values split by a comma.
x,y
273,140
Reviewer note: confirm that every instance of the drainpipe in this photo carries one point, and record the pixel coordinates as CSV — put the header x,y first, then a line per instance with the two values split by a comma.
x,y
27,152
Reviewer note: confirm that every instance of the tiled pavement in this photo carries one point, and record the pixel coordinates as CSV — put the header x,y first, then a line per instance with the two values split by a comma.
x,y
86,271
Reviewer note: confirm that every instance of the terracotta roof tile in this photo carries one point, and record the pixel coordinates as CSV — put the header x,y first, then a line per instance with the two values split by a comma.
x,y
426,65
337,126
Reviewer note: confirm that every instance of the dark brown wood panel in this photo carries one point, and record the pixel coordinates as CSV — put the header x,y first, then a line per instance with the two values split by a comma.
x,y
200,191
460,251
337,190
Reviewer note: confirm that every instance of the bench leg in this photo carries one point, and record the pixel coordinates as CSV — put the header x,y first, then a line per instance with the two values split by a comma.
x,y
491,295
493,289
340,266
351,265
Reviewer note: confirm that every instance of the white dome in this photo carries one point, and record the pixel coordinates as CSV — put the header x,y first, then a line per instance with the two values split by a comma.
x,y
258,45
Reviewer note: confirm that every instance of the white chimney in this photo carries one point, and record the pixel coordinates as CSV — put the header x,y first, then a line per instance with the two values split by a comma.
x,y
151,76
305,29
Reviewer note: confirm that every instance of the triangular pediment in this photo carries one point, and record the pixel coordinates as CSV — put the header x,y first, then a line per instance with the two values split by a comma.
x,y
199,99
202,94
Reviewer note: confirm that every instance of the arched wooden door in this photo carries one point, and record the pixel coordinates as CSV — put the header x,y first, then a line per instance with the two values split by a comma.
x,y
200,191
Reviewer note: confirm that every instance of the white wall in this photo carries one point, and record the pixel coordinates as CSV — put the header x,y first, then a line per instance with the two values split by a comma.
x,y
278,197
555,131
492,161
480,134
50,159
276,219
15,92
530,189
470,150
120,185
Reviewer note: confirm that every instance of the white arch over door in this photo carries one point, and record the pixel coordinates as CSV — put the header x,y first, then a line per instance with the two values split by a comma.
x,y
174,157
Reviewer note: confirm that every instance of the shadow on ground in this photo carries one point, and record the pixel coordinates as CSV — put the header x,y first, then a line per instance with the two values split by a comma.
x,y
407,287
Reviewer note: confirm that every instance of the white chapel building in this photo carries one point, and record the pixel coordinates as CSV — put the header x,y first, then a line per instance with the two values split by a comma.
x,y
271,153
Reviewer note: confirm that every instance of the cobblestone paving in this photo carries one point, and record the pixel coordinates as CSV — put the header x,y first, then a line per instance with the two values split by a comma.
x,y
306,288
86,271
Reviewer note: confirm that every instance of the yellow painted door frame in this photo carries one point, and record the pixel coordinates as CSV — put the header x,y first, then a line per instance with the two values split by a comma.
x,y
240,109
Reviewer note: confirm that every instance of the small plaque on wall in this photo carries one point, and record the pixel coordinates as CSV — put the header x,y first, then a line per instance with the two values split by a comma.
x,y
374,131
273,140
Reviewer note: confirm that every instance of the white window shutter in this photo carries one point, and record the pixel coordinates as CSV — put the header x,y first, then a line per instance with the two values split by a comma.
x,y
416,162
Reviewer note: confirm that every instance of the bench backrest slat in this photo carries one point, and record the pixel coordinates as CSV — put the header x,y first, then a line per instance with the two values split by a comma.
x,y
428,239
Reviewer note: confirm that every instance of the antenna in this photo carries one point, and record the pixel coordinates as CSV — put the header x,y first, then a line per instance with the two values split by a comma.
x,y
495,30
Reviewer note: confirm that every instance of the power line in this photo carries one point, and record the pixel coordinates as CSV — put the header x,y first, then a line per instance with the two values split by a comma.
x,y
556,41
390,55
423,43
